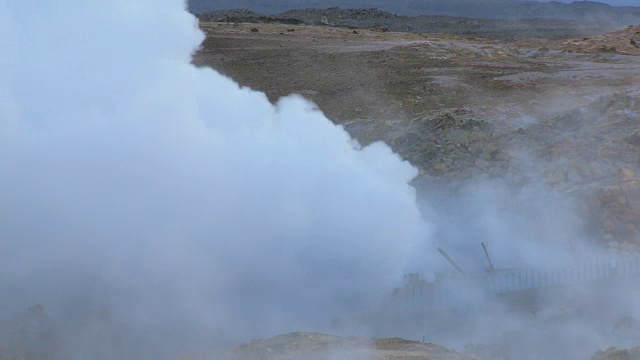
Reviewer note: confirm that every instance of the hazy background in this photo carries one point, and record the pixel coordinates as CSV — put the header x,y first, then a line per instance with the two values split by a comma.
x,y
496,9
610,2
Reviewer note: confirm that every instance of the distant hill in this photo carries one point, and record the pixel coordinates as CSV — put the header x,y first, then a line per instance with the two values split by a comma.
x,y
491,9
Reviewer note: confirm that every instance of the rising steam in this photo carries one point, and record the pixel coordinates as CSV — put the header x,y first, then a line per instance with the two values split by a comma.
x,y
172,199
153,207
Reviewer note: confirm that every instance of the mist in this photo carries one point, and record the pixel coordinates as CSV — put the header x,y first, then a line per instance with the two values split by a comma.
x,y
153,208
609,2
171,202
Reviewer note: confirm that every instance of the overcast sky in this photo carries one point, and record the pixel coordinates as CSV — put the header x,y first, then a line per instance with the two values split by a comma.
x,y
612,2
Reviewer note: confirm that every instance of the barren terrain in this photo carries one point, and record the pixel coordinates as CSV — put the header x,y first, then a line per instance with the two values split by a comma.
x,y
461,108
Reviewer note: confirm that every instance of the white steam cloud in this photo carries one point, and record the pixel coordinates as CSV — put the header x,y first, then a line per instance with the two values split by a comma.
x,y
134,181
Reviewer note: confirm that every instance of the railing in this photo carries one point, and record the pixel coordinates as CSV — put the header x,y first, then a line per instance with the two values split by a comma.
x,y
516,280
500,282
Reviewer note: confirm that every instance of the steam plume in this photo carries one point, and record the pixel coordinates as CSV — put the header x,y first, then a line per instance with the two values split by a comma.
x,y
135,182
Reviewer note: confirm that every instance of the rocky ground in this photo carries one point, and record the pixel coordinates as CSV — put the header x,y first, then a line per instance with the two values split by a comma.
x,y
623,41
563,113
315,346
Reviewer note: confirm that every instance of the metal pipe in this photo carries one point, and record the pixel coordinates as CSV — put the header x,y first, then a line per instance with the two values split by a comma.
x,y
486,253
450,260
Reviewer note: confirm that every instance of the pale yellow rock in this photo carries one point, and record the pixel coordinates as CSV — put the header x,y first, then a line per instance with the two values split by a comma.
x,y
626,175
